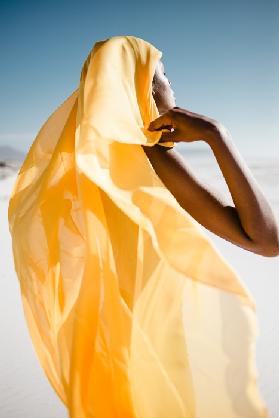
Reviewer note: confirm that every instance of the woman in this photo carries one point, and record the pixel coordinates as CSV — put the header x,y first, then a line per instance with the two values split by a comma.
x,y
132,310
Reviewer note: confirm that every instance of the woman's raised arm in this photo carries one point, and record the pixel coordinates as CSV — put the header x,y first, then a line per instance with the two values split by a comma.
x,y
251,224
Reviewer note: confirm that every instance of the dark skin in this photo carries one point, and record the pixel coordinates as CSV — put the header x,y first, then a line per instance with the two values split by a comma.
x,y
251,223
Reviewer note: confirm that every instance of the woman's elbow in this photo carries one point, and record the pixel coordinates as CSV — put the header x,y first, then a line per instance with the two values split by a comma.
x,y
269,249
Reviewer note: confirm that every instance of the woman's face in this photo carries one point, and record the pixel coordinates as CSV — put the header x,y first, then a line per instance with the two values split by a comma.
x,y
161,90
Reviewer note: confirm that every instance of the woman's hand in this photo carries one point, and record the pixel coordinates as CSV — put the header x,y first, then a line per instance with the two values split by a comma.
x,y
185,126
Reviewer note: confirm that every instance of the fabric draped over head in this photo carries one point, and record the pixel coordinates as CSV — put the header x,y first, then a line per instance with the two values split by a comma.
x,y
117,83
132,310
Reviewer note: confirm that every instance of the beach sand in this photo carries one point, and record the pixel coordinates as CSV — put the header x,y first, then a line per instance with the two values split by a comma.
x,y
25,391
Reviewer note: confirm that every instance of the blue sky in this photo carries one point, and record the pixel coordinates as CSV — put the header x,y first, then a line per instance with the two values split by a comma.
x,y
221,57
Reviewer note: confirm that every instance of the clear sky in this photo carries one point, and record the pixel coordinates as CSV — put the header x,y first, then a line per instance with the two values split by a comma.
x,y
222,58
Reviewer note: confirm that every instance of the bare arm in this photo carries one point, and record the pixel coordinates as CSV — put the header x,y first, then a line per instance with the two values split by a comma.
x,y
250,224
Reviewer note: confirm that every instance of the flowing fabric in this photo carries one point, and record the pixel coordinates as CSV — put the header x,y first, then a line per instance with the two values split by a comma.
x,y
132,310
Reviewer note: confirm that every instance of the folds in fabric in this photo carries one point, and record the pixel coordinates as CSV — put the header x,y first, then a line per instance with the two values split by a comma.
x,y
132,310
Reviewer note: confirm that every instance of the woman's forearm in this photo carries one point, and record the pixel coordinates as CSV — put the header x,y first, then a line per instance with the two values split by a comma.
x,y
210,208
254,210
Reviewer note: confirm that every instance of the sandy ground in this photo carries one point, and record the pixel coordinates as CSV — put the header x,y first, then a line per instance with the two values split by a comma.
x,y
24,389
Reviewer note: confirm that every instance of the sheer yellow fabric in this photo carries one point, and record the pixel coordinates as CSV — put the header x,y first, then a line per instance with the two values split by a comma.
x,y
132,310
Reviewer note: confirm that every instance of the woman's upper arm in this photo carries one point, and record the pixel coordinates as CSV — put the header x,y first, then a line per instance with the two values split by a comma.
x,y
204,204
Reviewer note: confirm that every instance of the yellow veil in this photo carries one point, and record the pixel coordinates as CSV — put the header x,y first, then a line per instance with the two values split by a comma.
x,y
132,310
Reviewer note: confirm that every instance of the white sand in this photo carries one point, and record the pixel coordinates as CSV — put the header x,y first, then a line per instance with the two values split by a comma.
x,y
24,389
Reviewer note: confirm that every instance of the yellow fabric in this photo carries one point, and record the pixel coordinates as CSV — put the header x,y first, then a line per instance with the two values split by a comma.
x,y
132,310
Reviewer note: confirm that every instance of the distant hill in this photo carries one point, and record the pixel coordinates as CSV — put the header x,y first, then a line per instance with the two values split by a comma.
x,y
8,153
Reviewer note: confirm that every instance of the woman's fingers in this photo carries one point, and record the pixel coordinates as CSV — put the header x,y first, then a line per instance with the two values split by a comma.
x,y
162,122
165,121
169,136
